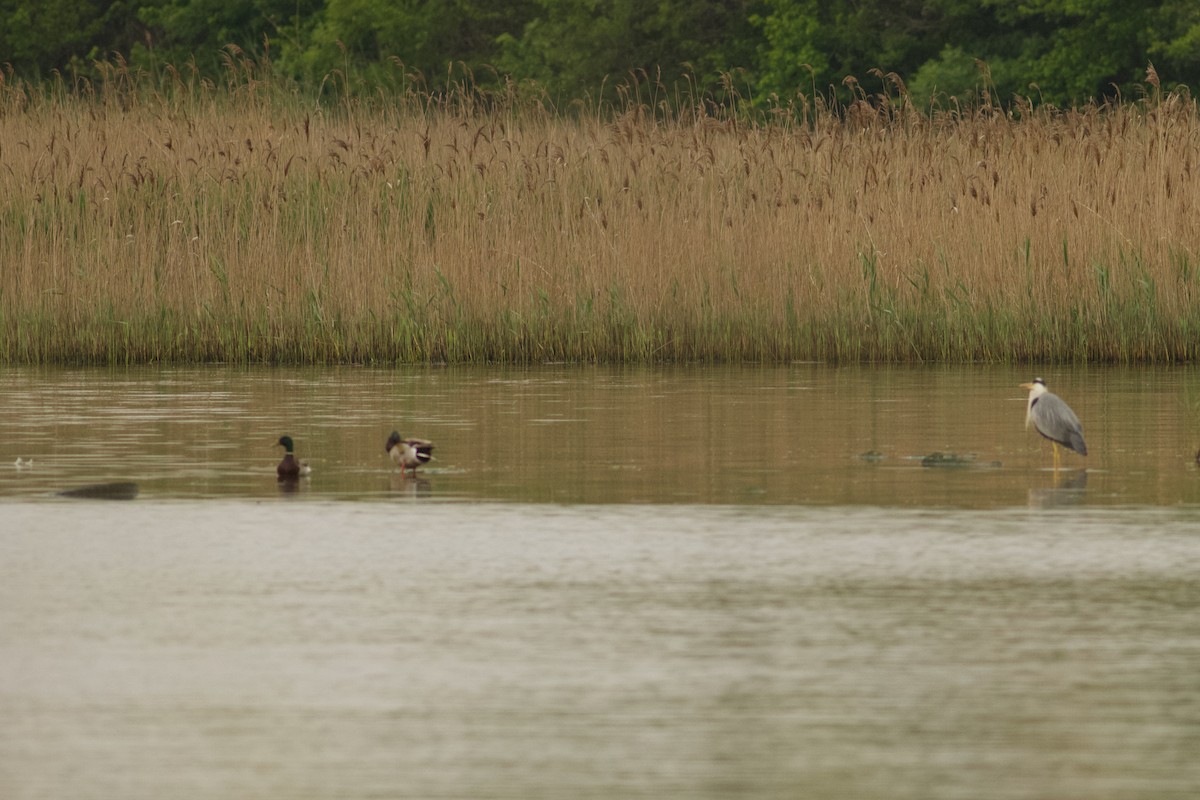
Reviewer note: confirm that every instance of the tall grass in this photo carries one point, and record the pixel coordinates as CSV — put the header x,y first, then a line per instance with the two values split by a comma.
x,y
179,221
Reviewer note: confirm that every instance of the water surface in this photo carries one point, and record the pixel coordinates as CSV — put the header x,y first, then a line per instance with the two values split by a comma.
x,y
611,583
804,434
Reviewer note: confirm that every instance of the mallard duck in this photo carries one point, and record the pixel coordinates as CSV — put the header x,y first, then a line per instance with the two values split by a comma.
x,y
409,453
1053,419
289,468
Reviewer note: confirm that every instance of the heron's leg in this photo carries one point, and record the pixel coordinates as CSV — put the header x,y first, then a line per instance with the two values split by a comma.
x,y
1056,457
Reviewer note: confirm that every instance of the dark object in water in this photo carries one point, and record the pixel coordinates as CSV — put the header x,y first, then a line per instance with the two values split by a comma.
x,y
288,469
946,460
121,490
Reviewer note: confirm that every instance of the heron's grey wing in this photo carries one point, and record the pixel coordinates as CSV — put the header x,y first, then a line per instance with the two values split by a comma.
x,y
1056,421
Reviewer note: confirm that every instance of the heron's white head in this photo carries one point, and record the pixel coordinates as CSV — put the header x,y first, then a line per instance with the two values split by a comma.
x,y
1036,390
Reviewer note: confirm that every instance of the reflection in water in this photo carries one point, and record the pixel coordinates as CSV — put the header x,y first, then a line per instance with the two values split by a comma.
x,y
679,582
288,484
412,486
791,435
1067,490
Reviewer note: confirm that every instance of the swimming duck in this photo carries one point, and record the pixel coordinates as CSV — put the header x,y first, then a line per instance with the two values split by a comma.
x,y
409,452
290,468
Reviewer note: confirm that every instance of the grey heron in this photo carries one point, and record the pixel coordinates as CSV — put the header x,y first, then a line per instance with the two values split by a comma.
x,y
1053,419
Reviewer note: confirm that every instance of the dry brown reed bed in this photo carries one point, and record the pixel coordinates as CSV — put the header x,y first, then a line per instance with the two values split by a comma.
x,y
248,225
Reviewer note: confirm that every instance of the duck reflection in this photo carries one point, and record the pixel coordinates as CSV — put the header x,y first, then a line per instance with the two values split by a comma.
x,y
288,485
409,485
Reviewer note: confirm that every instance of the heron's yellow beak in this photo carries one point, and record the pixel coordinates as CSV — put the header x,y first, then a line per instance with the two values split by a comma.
x,y
1026,385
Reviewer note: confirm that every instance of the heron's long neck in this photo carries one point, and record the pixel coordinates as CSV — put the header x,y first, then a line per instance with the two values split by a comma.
x,y
1037,391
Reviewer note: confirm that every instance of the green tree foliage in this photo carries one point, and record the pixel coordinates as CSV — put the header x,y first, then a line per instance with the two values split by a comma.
x,y
199,31
1073,50
809,45
39,37
1179,51
427,37
1058,51
571,47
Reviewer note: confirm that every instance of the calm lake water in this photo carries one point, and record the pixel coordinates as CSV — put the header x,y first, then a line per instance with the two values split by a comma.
x,y
677,582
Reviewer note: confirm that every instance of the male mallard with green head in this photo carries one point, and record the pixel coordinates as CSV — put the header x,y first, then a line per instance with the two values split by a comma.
x,y
410,453
290,468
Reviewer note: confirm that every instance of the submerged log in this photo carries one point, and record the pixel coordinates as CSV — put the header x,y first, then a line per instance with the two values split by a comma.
x,y
121,490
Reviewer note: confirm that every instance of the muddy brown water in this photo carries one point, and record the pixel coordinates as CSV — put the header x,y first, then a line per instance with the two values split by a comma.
x,y
668,582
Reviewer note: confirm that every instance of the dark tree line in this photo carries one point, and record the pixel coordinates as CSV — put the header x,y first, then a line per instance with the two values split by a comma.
x,y
1059,51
